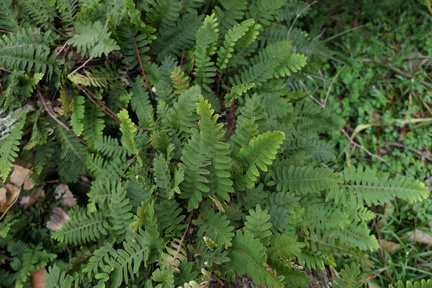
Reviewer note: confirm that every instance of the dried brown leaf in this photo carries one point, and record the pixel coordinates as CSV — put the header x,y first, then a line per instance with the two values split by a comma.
x,y
12,193
420,237
389,246
56,220
64,193
21,176
29,201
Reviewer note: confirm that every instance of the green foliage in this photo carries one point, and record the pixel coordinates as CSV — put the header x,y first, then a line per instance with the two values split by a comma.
x,y
197,126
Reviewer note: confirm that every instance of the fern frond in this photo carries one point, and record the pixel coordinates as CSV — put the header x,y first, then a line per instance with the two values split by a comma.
x,y
77,115
350,277
162,176
257,73
8,16
303,180
243,35
82,226
169,216
57,278
128,130
246,129
286,245
98,263
182,116
92,39
67,10
9,146
110,147
164,275
163,14
236,92
321,216
216,227
371,187
264,11
357,235
417,284
258,224
248,257
253,107
205,48
120,211
230,13
171,41
134,44
94,124
212,137
137,251
175,254
29,50
194,166
179,80
101,77
260,152
312,118
42,14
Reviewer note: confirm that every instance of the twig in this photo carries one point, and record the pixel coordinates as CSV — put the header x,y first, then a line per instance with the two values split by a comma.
x,y
142,68
297,16
48,109
10,205
352,142
80,66
331,84
189,220
422,154
99,104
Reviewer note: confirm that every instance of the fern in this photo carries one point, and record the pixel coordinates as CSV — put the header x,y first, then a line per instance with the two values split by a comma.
x,y
350,277
169,216
67,10
259,153
206,39
230,13
217,152
416,284
110,147
77,115
120,212
216,227
92,39
258,224
286,245
28,50
141,105
98,263
94,124
365,185
302,180
42,14
263,11
55,278
248,257
83,226
128,130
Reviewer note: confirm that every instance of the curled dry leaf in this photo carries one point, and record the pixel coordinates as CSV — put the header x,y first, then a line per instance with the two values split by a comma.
x,y
59,216
10,193
21,176
67,198
38,278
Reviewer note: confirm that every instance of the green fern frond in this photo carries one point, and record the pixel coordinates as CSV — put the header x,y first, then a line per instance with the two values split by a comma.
x,y
110,147
138,251
120,212
174,254
371,187
258,224
205,48
134,45
179,80
82,226
56,278
321,216
212,137
260,152
252,107
357,235
286,245
9,146
238,37
101,191
216,227
182,116
77,107
92,39
41,14
312,118
162,176
248,257
245,131
195,168
8,16
163,14
350,277
29,50
171,41
236,92
230,13
98,263
128,130
101,77
164,275
94,124
264,12
257,73
303,180
67,10
169,216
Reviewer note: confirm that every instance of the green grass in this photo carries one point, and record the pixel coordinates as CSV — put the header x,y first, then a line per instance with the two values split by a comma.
x,y
379,79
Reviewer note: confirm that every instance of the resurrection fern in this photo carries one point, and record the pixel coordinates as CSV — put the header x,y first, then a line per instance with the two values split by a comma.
x,y
184,132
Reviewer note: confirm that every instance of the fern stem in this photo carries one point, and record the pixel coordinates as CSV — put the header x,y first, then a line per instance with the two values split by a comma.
x,y
48,109
352,142
142,69
189,221
99,104
80,66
